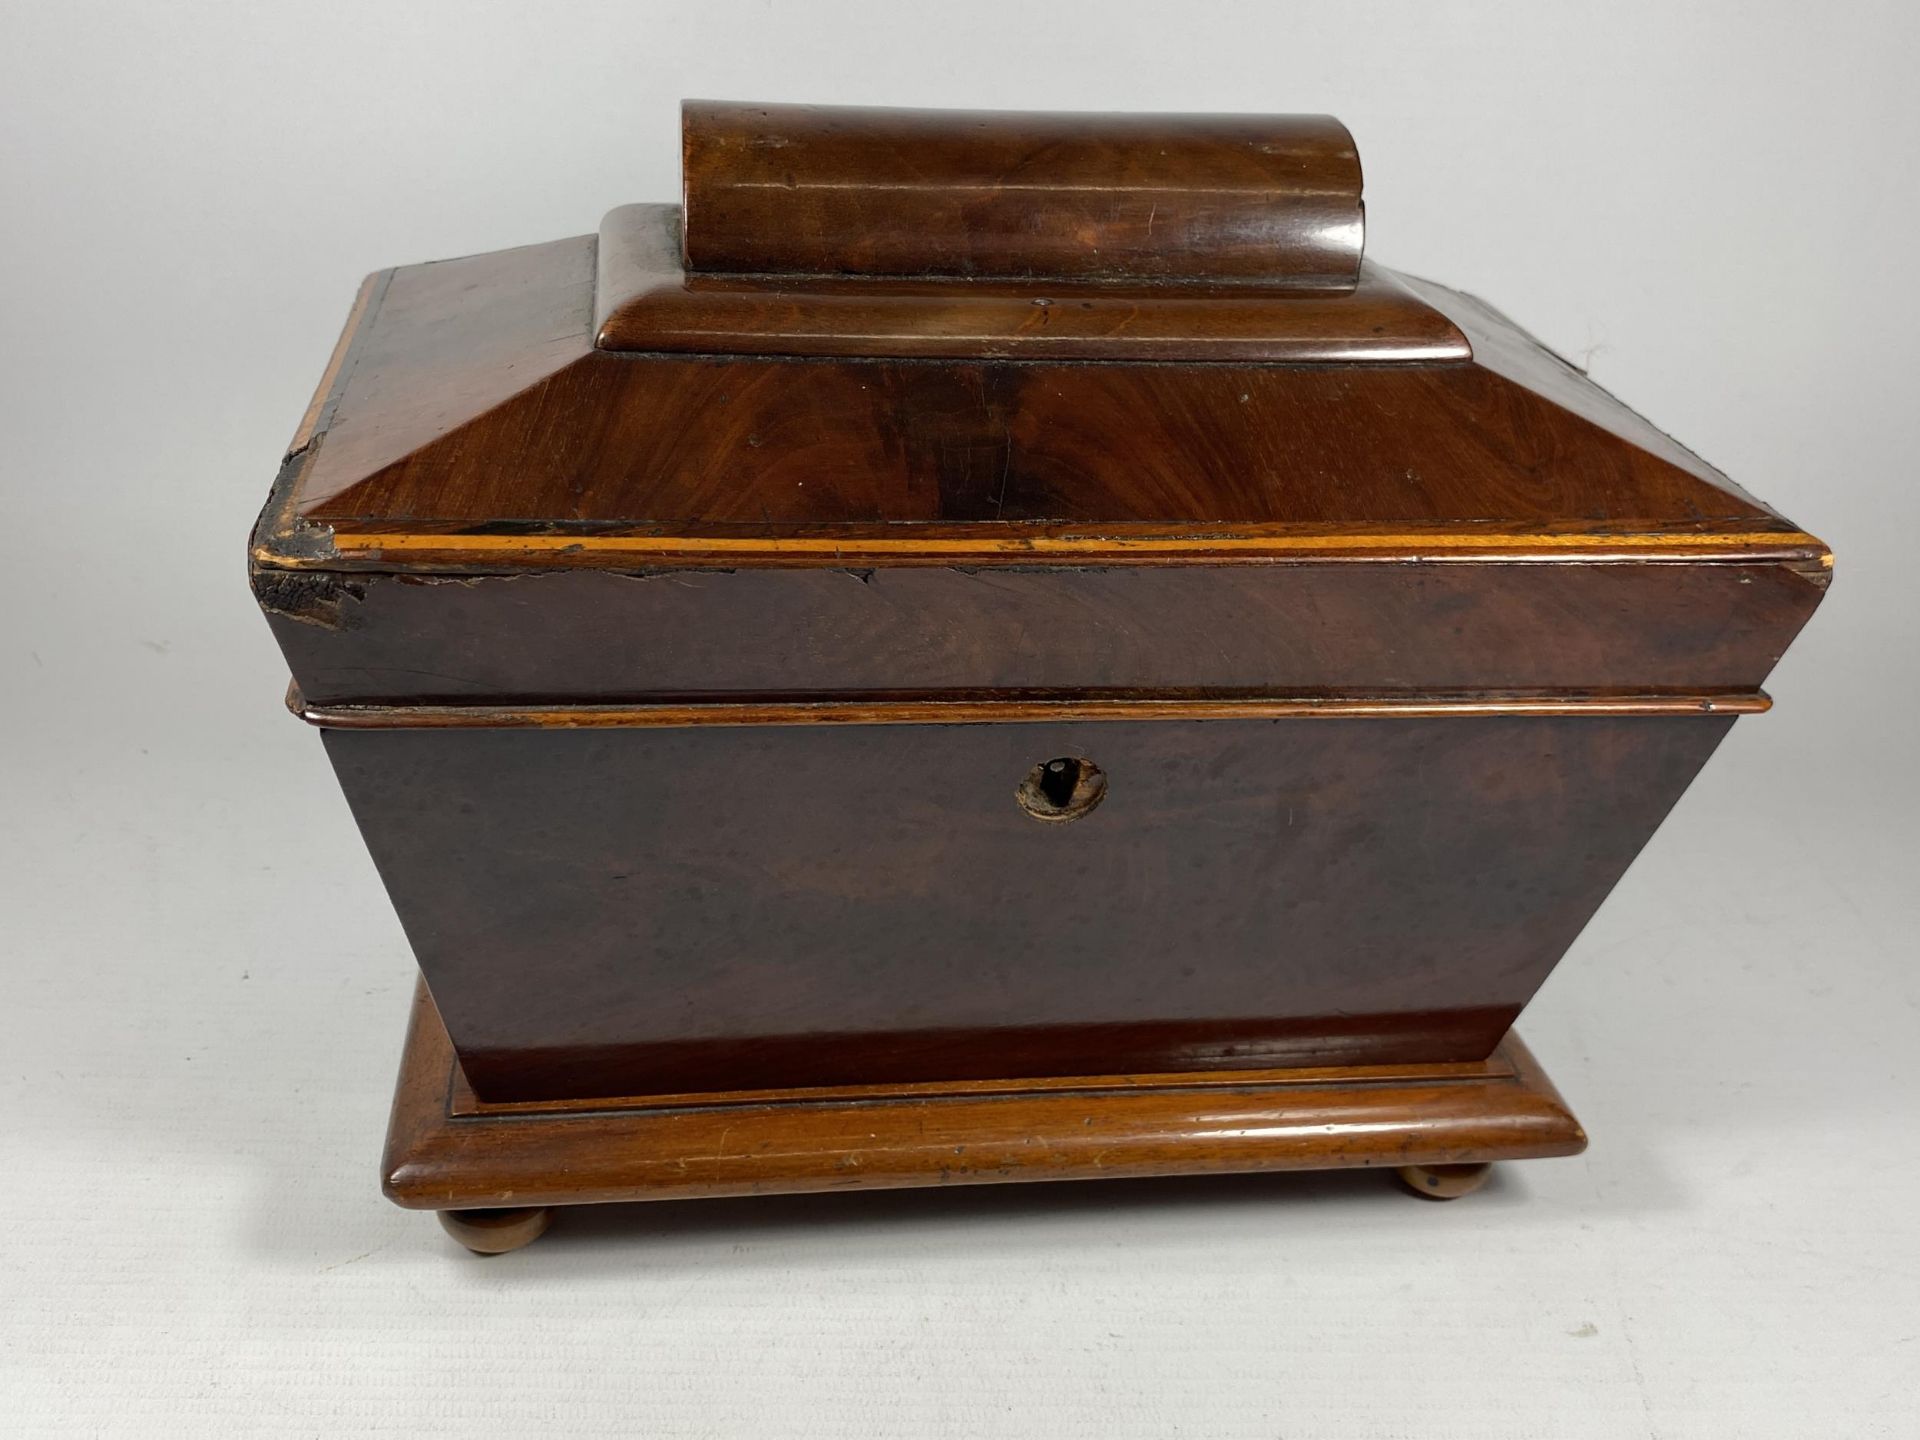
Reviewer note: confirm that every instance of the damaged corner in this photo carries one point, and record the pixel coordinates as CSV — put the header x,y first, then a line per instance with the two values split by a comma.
x,y
310,597
1817,573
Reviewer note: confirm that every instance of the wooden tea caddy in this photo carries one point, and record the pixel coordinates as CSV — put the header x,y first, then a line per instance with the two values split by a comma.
x,y
989,647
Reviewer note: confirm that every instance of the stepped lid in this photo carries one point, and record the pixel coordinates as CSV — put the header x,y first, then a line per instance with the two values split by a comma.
x,y
903,337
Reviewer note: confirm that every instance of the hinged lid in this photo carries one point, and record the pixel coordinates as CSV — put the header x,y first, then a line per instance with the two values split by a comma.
x,y
1052,346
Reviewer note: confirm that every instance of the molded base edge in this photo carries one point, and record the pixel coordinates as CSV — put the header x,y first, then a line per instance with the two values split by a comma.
x,y
447,1150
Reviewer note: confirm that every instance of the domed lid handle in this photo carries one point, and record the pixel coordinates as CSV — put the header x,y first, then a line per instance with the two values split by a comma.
x,y
1266,200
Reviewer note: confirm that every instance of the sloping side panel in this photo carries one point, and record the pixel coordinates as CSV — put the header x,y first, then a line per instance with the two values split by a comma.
x,y
1504,348
475,399
449,342
660,911
643,440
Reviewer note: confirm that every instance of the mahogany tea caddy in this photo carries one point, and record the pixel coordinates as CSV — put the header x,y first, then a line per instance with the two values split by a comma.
x,y
989,647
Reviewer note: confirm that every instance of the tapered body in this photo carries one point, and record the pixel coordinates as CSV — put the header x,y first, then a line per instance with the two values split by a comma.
x,y
693,610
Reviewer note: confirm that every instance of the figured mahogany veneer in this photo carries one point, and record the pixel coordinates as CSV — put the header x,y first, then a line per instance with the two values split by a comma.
x,y
989,647
836,190
645,301
472,411
702,906
1442,632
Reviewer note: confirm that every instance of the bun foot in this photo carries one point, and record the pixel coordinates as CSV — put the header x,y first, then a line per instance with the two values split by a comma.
x,y
1444,1182
495,1232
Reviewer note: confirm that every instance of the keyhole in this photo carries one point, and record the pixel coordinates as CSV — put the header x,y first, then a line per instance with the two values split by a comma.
x,y
1062,789
1057,779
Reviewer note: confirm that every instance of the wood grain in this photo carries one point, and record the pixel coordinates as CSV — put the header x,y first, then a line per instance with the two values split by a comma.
x,y
851,191
1399,633
711,907
476,415
1007,710
644,301
688,608
761,1145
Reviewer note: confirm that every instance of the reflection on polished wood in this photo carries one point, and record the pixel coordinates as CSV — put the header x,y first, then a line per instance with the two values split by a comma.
x,y
448,1151
461,405
1010,710
841,190
699,616
645,301
833,904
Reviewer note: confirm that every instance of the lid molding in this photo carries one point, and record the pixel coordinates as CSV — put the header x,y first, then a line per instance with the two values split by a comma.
x,y
822,231
645,301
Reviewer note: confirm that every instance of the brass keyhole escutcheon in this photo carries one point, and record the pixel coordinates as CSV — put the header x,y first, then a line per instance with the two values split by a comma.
x,y
1063,789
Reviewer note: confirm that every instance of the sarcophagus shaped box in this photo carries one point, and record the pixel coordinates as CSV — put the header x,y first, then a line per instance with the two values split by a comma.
x,y
990,647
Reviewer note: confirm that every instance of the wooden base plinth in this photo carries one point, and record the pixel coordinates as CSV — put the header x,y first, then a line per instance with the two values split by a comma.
x,y
494,1169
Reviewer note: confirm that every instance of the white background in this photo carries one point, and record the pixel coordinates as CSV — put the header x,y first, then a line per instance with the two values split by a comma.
x,y
202,987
